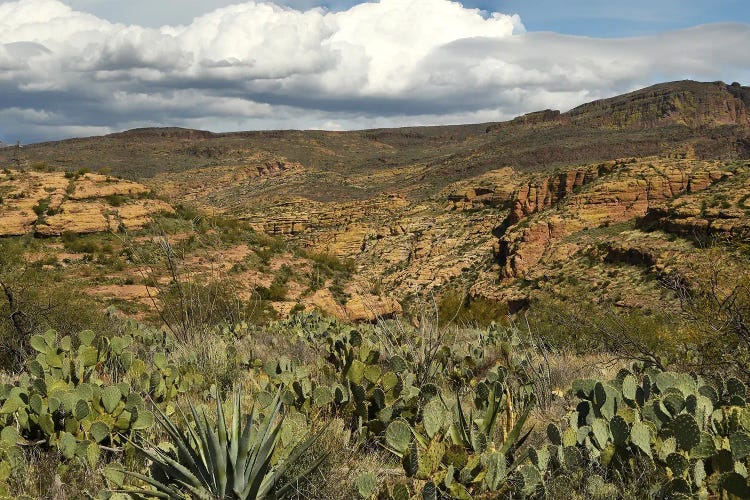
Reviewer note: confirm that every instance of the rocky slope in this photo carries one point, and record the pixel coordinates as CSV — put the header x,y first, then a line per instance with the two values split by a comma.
x,y
592,197
687,103
722,210
50,203
595,202
708,119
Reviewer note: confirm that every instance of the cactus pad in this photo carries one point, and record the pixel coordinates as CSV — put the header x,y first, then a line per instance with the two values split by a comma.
x,y
686,431
740,443
678,463
640,436
629,387
366,484
398,435
553,434
600,430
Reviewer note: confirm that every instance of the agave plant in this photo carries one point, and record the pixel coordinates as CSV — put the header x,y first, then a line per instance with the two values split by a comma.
x,y
214,460
477,431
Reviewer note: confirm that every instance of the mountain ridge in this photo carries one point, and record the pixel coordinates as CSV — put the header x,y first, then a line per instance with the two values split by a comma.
x,y
704,120
578,114
684,102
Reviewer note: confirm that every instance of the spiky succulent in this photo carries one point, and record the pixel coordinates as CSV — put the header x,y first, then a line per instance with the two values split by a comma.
x,y
214,460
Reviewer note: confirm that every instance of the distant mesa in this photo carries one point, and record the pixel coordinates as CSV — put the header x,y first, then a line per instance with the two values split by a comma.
x,y
163,133
701,120
687,103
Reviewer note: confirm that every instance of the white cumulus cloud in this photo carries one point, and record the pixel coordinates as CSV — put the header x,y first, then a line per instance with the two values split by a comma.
x,y
259,65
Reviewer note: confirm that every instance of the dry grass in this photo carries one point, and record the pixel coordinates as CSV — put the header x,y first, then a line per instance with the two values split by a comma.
x,y
345,461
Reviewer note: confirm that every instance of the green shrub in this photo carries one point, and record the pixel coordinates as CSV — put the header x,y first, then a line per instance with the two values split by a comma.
x,y
460,308
41,207
116,200
75,243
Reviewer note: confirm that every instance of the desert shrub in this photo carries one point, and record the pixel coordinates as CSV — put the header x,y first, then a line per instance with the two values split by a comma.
x,y
265,246
41,166
276,291
33,300
329,264
40,473
191,306
628,334
714,299
116,200
75,243
259,312
461,308
41,207
186,212
336,288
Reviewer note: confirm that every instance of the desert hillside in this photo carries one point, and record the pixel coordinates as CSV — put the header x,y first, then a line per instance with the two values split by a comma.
x,y
555,306
504,212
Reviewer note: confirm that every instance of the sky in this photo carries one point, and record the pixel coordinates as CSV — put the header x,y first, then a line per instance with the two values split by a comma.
x,y
87,67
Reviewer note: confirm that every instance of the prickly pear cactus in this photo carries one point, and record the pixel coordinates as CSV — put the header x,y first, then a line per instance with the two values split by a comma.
x,y
695,433
62,402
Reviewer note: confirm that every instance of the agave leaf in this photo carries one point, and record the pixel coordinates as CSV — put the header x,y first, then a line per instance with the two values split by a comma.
x,y
143,494
241,474
490,415
265,452
260,484
182,442
202,444
217,466
464,430
262,450
234,447
219,447
164,490
512,441
176,469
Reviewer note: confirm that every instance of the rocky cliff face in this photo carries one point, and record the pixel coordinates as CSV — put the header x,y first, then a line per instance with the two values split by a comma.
x,y
505,210
548,210
540,194
687,103
722,210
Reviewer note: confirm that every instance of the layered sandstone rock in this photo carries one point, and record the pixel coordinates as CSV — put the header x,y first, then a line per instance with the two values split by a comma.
x,y
569,202
51,203
722,209
686,103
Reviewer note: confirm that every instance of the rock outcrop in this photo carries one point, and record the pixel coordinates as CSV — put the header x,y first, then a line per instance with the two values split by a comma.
x,y
688,103
51,203
548,211
722,210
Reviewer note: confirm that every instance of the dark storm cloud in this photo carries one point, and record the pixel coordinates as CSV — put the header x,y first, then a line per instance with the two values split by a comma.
x,y
255,65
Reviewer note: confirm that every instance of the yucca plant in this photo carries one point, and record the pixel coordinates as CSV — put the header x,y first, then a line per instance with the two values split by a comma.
x,y
216,461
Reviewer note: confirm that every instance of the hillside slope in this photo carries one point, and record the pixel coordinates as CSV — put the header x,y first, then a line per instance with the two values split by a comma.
x,y
597,202
708,120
